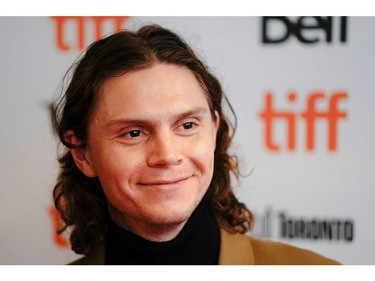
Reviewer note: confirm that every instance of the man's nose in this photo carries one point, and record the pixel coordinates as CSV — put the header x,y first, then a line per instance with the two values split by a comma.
x,y
164,151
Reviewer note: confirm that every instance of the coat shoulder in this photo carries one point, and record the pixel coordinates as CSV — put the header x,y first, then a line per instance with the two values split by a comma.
x,y
270,252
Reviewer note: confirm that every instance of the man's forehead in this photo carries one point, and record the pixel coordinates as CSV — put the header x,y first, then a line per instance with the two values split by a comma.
x,y
165,90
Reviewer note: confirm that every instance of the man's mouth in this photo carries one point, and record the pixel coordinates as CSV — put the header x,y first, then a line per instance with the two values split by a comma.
x,y
164,182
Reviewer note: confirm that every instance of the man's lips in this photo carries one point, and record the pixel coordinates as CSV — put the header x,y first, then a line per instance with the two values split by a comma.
x,y
163,182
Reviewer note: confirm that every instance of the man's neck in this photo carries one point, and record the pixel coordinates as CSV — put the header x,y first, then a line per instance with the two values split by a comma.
x,y
196,241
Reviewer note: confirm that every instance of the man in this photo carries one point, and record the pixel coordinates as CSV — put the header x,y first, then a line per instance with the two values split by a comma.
x,y
146,175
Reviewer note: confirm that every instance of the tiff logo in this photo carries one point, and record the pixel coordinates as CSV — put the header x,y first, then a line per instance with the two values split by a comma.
x,y
81,25
59,239
310,115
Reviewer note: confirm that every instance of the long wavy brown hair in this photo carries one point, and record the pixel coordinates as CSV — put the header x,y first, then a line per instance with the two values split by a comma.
x,y
79,199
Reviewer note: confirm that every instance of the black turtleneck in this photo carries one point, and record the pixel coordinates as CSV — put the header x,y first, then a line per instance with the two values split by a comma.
x,y
198,243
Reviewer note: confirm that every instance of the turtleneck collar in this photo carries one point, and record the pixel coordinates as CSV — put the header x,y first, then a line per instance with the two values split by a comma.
x,y
198,243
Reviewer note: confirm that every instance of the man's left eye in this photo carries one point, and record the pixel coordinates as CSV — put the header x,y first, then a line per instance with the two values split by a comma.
x,y
188,125
133,134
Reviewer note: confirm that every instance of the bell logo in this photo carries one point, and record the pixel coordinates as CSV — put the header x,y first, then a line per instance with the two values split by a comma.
x,y
81,24
307,30
310,116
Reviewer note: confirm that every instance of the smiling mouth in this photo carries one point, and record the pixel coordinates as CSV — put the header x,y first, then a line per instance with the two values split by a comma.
x,y
163,182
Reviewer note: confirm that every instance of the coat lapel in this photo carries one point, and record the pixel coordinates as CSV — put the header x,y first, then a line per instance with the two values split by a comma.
x,y
235,249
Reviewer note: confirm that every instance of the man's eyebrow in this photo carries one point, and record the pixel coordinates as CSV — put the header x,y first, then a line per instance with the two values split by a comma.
x,y
194,111
200,111
124,121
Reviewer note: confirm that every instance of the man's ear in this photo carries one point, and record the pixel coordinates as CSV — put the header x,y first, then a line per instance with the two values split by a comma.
x,y
80,155
217,122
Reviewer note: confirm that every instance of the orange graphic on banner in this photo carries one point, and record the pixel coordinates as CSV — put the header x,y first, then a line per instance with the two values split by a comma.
x,y
81,24
310,116
58,239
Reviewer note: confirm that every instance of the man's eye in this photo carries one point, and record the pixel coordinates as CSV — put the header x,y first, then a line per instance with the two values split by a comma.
x,y
188,125
134,133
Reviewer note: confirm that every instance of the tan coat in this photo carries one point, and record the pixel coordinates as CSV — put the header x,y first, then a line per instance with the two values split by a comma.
x,y
239,249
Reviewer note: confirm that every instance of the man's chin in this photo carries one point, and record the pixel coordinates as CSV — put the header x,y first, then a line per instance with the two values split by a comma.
x,y
161,228
170,218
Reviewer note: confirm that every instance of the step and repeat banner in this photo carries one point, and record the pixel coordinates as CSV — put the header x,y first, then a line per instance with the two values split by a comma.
x,y
303,92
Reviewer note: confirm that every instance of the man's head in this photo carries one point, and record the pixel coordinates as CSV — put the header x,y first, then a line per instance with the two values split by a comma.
x,y
147,138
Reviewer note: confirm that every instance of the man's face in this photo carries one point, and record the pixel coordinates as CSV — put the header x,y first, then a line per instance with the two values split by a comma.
x,y
151,144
